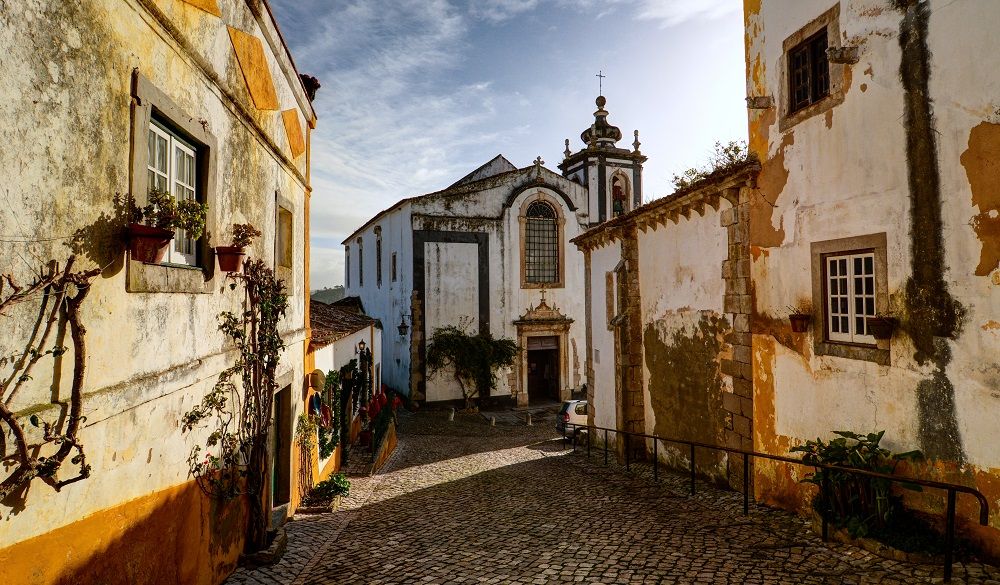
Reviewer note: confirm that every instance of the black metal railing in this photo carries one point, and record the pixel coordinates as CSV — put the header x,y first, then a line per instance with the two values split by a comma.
x,y
952,489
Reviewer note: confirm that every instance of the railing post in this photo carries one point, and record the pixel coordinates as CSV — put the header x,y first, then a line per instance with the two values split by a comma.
x,y
826,504
590,439
628,461
949,535
746,484
575,435
656,461
692,470
605,446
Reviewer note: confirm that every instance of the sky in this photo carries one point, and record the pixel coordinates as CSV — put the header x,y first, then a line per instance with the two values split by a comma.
x,y
417,93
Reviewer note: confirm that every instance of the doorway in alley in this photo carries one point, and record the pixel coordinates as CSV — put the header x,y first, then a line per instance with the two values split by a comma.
x,y
543,369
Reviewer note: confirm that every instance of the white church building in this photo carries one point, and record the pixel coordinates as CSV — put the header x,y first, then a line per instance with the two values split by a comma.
x,y
492,252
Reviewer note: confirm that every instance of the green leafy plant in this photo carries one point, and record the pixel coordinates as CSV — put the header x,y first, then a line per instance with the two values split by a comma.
x,y
329,438
861,504
165,211
235,460
244,234
722,158
474,359
337,485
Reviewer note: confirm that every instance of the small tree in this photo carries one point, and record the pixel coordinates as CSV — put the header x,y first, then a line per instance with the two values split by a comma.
x,y
474,359
723,157
236,459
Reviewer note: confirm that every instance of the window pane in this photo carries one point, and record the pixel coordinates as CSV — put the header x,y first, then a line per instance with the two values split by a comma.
x,y
869,286
843,325
161,153
859,305
870,306
869,265
833,287
857,266
541,244
859,287
843,305
833,268
843,266
835,323
859,325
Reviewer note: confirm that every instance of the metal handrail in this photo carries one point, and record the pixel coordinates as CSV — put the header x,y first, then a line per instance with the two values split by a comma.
x,y
951,488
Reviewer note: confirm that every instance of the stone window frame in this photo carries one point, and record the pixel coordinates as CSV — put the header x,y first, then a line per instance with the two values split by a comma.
x,y
522,220
819,251
285,272
149,102
830,20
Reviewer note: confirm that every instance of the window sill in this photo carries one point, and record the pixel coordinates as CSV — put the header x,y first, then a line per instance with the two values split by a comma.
x,y
868,353
168,278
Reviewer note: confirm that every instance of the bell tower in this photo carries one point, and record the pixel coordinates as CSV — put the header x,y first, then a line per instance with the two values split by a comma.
x,y
612,175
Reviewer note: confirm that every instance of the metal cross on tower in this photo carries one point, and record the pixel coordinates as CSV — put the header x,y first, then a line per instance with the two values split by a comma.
x,y
600,82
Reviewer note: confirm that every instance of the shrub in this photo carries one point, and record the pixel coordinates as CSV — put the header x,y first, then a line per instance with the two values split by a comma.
x,y
861,504
337,485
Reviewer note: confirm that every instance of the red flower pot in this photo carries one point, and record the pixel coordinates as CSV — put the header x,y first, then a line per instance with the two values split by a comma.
x,y
148,244
230,258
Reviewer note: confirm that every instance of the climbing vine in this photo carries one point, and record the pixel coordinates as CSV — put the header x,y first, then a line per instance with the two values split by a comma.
x,y
329,431
235,459
59,294
474,359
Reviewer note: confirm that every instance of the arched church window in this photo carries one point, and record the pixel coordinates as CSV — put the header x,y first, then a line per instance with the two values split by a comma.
x,y
619,195
541,244
378,256
361,263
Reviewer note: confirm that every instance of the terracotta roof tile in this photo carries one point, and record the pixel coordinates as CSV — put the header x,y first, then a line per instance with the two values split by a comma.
x,y
330,323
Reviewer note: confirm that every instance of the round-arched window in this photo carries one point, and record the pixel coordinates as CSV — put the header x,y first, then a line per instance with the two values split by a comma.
x,y
541,244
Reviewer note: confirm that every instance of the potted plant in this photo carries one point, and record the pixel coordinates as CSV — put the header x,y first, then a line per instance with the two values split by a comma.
x,y
882,326
799,317
231,257
151,228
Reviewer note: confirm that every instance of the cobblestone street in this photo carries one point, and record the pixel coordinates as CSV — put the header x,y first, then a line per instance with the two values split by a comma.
x,y
464,502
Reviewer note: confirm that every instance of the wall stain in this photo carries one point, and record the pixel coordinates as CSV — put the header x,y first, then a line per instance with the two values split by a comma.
x,y
982,166
933,314
685,382
770,182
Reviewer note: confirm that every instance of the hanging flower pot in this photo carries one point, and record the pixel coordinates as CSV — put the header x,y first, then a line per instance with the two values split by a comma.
x,y
881,327
800,322
230,258
147,243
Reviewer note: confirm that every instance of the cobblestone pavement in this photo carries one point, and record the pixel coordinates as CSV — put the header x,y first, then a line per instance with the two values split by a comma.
x,y
464,502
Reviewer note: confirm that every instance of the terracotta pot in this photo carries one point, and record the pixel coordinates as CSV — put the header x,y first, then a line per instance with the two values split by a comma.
x,y
800,322
230,258
881,327
148,244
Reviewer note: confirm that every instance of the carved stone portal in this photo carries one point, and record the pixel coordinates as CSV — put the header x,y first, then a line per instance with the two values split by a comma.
x,y
542,329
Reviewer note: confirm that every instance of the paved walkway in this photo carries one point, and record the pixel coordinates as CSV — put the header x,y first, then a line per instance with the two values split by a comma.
x,y
464,502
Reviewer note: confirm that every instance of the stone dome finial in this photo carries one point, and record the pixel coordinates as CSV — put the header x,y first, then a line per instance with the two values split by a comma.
x,y
601,132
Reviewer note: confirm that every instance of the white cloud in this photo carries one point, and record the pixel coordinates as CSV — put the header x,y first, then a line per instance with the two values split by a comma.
x,y
500,10
674,12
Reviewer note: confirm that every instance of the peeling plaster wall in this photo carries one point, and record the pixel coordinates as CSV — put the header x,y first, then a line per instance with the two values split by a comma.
x,y
603,261
452,298
682,291
152,356
858,169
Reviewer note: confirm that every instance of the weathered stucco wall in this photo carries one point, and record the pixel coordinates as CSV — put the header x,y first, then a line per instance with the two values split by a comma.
x,y
684,329
151,356
603,261
910,152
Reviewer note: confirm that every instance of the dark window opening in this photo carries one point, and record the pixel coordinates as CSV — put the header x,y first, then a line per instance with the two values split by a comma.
x,y
808,72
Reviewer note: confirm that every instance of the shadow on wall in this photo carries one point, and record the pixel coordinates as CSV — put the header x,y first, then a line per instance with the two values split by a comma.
x,y
178,535
686,388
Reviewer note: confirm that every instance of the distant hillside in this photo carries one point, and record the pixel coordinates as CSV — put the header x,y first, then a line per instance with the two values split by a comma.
x,y
328,295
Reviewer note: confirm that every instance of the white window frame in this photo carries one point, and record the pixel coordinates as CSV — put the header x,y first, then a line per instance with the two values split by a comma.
x,y
841,288
183,250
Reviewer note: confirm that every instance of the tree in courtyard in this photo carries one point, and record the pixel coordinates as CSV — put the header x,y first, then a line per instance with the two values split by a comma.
x,y
474,359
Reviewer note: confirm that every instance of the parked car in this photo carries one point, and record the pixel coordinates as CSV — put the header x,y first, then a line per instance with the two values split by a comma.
x,y
572,412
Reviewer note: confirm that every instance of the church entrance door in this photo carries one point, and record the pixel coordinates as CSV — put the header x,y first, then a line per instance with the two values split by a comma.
x,y
543,369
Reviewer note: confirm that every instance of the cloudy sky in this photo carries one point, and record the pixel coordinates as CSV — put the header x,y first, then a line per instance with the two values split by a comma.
x,y
417,93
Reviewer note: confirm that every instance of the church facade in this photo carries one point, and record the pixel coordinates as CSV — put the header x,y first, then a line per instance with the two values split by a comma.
x,y
492,253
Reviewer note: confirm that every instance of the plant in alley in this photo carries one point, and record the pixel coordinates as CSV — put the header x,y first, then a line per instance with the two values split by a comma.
x,y
239,408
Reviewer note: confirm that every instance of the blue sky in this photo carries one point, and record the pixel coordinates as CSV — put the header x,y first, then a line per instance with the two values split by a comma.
x,y
417,93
